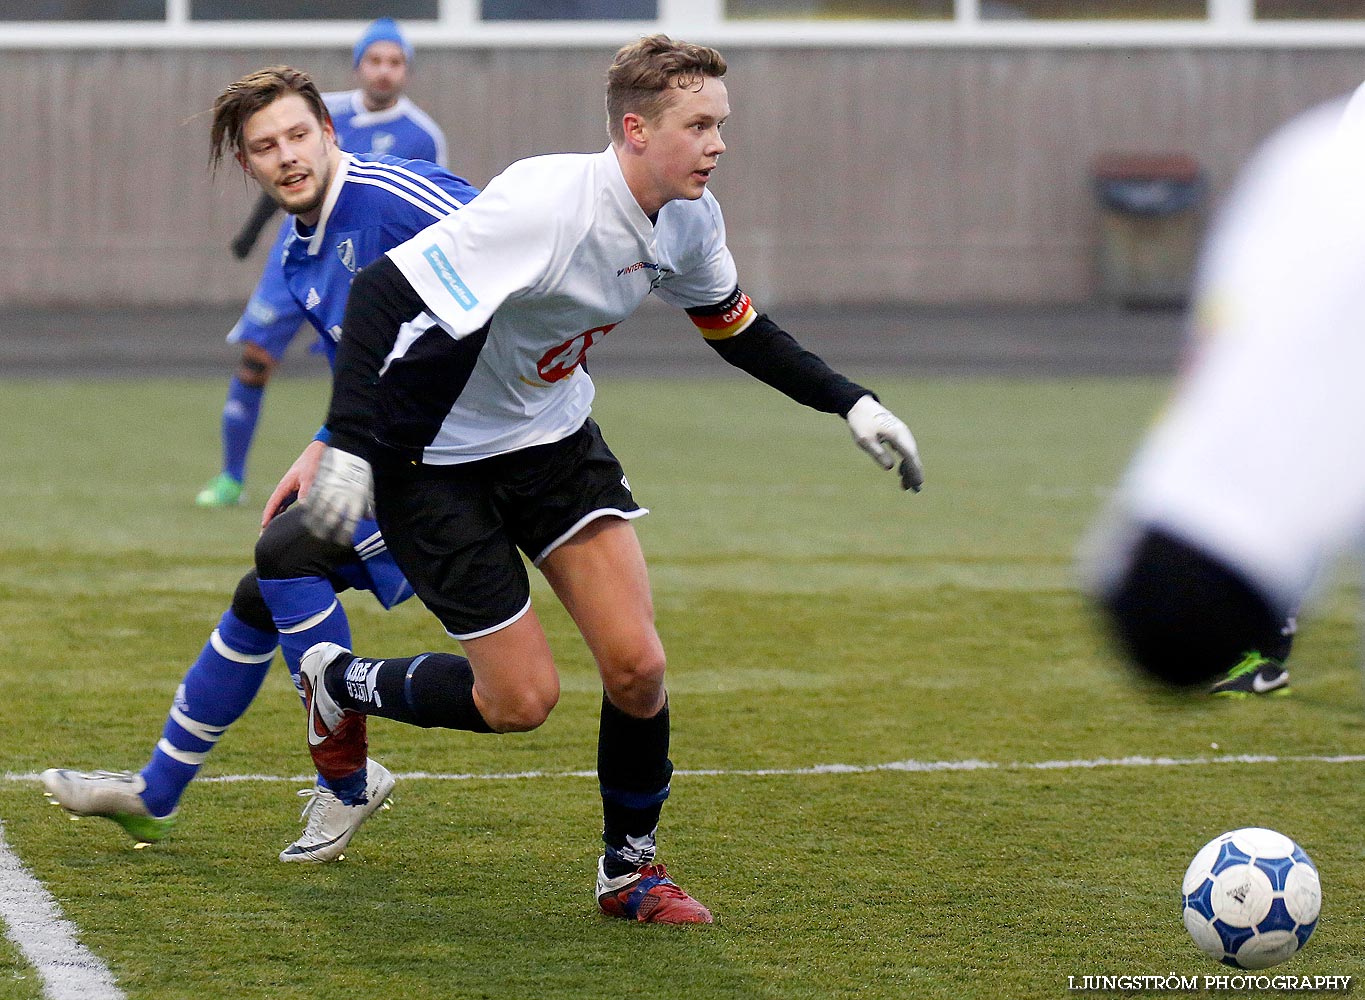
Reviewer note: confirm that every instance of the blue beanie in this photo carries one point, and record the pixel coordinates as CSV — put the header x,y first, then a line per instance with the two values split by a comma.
x,y
383,30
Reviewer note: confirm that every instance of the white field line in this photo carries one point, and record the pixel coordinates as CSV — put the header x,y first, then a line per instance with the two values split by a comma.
x,y
34,922
70,972
819,769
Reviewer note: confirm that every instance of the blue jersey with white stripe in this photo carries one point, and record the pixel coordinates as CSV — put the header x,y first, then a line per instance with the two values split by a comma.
x,y
272,318
402,130
373,204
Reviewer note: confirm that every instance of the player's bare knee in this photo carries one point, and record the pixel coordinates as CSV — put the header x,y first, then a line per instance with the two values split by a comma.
x,y
522,710
255,367
635,685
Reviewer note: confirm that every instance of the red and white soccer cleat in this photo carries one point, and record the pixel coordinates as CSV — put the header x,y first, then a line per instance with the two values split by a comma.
x,y
337,737
649,896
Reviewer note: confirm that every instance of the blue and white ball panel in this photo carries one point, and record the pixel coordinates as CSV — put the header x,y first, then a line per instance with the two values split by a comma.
x,y
1251,898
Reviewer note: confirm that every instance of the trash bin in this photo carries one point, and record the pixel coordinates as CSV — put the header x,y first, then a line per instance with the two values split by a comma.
x,y
1150,227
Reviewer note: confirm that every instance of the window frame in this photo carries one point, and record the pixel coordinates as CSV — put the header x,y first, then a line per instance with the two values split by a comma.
x,y
1230,23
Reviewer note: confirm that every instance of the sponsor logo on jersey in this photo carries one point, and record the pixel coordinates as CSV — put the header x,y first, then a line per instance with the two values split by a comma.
x,y
561,361
455,285
313,300
660,272
346,251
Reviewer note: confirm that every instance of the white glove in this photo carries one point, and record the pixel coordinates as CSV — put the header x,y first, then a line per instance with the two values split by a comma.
x,y
341,495
883,435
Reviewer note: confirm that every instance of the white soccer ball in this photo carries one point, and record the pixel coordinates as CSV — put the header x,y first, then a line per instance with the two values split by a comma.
x,y
1252,898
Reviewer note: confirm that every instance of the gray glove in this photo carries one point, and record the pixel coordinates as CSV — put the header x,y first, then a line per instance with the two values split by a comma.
x,y
342,494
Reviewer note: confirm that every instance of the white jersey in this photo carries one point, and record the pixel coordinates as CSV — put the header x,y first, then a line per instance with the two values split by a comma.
x,y
554,253
1260,459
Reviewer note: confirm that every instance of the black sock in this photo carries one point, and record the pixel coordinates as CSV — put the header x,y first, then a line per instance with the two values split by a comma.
x,y
634,770
434,690
1185,616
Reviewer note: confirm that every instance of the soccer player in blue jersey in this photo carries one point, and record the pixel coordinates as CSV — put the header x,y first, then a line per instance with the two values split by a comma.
x,y
346,211
376,117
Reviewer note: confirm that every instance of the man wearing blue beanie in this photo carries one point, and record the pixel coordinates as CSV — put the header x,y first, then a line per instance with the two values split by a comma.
x,y
376,117
384,29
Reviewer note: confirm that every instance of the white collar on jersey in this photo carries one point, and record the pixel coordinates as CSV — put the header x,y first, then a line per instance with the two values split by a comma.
x,y
616,180
328,203
364,117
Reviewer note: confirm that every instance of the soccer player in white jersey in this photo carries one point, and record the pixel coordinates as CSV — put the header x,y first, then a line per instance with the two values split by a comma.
x,y
461,403
376,117
1231,511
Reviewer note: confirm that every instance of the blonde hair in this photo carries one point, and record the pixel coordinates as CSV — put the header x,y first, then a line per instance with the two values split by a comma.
x,y
250,94
644,72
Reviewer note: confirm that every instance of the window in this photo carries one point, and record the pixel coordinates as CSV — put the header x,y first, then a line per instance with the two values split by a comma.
x,y
84,10
570,10
848,9
310,10
1080,10
1299,10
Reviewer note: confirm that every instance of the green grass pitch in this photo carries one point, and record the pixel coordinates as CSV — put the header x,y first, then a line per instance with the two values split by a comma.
x,y
813,615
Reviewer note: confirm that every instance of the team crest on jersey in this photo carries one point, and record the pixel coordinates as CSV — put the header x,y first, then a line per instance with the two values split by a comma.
x,y
261,311
346,251
382,143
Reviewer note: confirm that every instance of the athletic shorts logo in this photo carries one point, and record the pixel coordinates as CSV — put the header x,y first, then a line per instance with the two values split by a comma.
x,y
455,285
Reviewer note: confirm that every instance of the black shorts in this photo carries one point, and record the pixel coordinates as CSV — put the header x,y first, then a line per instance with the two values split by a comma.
x,y
455,530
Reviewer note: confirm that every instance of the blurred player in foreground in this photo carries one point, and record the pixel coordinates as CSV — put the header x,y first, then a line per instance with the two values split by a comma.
x,y
376,118
1232,509
345,210
460,402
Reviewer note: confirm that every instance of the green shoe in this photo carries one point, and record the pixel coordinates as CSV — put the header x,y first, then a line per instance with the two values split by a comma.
x,y
144,829
115,795
222,491
1255,674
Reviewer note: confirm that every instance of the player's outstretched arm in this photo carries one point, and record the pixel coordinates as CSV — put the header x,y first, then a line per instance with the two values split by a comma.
x,y
261,213
755,344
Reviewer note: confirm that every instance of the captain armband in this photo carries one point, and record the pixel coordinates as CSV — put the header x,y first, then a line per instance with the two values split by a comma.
x,y
753,343
725,319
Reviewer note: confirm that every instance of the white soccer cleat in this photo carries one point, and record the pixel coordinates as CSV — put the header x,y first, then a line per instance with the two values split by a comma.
x,y
115,795
332,823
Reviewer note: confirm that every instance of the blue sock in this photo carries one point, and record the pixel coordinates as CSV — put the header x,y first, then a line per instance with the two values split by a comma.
x,y
215,692
240,413
307,612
